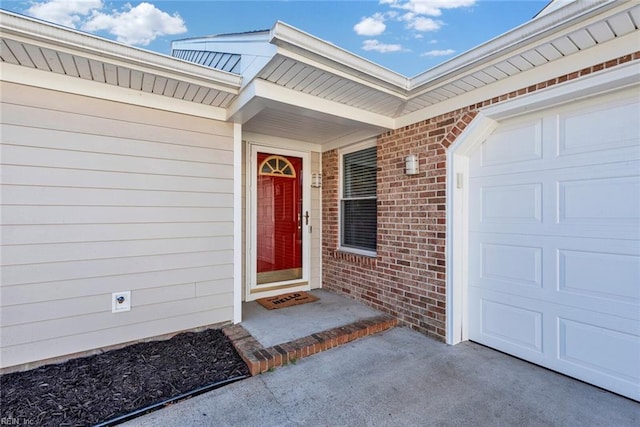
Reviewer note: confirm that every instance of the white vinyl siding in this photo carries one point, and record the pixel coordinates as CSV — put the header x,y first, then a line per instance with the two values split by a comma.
x,y
100,197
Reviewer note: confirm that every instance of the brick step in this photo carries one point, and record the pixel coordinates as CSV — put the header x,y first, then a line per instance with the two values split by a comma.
x,y
260,359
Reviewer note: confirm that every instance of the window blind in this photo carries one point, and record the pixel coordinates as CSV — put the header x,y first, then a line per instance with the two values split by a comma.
x,y
359,202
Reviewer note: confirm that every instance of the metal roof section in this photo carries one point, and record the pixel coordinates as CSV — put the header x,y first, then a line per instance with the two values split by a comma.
x,y
249,52
35,45
228,62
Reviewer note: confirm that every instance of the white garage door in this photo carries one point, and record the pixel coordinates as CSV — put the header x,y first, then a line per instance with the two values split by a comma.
x,y
554,244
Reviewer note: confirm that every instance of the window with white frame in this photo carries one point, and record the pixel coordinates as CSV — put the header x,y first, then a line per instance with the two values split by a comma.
x,y
358,201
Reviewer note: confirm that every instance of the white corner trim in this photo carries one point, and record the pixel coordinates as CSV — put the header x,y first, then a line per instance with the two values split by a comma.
x,y
456,216
237,223
615,79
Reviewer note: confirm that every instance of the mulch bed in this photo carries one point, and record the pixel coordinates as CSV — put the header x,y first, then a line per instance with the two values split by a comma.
x,y
108,386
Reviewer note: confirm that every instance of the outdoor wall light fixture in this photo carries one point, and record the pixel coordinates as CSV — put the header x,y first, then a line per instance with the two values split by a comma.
x,y
316,180
411,164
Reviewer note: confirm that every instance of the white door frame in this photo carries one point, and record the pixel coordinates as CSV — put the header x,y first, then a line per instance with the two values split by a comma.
x,y
620,77
251,237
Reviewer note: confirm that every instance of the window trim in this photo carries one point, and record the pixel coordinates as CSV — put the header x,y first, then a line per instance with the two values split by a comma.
x,y
341,152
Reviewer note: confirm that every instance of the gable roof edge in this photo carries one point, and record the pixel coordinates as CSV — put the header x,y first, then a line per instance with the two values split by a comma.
x,y
288,37
508,42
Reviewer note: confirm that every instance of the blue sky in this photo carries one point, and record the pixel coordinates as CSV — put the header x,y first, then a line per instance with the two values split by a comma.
x,y
406,36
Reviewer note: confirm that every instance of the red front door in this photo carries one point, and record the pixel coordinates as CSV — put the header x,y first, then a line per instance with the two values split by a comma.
x,y
279,218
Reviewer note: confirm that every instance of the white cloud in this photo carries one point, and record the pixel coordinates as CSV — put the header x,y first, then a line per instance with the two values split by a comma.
x,y
64,12
138,25
370,26
416,15
420,23
381,47
442,52
428,7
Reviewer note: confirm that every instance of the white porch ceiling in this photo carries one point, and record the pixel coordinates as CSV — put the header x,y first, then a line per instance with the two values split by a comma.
x,y
284,121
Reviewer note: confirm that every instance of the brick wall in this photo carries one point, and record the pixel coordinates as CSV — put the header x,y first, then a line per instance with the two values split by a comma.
x,y
407,278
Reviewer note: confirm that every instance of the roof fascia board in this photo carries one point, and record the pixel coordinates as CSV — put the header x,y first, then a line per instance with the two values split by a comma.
x,y
505,45
308,46
62,83
267,90
598,54
74,42
254,36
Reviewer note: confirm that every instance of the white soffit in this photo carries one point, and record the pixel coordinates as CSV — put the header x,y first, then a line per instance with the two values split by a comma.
x,y
29,43
308,79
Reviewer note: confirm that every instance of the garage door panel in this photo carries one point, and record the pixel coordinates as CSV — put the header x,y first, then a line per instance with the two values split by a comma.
x,y
595,347
520,204
507,326
599,128
517,143
593,201
600,201
599,349
524,266
554,240
600,132
599,274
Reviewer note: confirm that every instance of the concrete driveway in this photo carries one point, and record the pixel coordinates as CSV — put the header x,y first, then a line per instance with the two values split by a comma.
x,y
402,378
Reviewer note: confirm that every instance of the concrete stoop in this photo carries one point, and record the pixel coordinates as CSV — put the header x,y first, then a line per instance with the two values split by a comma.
x,y
260,359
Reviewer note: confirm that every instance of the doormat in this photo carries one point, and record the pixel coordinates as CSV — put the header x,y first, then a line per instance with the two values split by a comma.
x,y
286,300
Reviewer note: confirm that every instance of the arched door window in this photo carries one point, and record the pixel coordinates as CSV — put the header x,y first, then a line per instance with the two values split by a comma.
x,y
277,166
